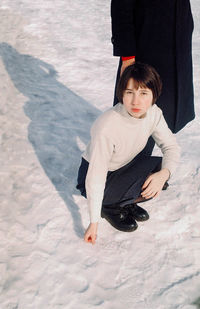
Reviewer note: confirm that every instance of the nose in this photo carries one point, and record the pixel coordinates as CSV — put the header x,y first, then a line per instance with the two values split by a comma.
x,y
135,100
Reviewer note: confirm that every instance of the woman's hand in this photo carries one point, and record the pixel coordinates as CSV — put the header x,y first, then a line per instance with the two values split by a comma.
x,y
91,233
154,183
126,63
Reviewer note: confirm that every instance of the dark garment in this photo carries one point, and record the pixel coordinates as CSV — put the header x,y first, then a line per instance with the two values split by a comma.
x,y
159,33
124,185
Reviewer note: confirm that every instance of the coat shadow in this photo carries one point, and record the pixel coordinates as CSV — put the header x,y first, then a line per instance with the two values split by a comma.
x,y
60,122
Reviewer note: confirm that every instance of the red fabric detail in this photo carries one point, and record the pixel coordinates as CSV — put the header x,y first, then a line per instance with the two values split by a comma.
x,y
127,58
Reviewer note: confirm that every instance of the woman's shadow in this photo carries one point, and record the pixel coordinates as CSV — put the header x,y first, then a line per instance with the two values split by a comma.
x,y
60,121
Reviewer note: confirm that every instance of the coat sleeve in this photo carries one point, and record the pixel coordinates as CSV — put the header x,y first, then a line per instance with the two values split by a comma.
x,y
123,29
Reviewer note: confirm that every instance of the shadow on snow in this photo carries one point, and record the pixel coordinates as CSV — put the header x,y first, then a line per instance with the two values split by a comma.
x,y
58,117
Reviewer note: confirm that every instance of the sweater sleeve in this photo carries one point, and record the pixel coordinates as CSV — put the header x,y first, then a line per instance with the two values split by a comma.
x,y
123,29
101,150
166,140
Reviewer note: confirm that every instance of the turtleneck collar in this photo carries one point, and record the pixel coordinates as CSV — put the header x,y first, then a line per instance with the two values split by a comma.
x,y
119,108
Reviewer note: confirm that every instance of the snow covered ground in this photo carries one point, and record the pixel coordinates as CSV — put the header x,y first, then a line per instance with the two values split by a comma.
x,y
57,75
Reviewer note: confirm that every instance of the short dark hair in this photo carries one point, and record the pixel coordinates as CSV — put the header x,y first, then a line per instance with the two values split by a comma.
x,y
144,76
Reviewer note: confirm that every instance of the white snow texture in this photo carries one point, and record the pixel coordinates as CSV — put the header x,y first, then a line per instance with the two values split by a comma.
x,y
57,75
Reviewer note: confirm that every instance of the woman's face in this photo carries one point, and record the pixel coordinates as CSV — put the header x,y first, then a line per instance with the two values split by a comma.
x,y
137,101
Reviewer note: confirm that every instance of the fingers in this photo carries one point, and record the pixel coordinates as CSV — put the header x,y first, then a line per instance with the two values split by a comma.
x,y
125,64
157,194
90,238
147,189
94,239
151,194
147,182
91,233
87,237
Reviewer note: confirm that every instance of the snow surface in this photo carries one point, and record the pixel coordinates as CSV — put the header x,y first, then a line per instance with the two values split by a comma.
x,y
57,75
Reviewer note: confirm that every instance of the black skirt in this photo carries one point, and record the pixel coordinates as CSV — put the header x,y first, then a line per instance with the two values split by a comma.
x,y
124,185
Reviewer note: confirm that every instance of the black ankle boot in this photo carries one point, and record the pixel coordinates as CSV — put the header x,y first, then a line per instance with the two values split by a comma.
x,y
137,212
119,218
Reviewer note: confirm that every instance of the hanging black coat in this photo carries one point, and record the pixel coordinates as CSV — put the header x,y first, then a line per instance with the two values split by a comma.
x,y
159,33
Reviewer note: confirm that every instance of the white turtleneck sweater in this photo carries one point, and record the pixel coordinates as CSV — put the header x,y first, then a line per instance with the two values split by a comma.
x,y
116,138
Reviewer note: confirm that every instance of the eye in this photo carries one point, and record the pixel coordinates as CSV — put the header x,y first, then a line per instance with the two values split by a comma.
x,y
128,92
144,93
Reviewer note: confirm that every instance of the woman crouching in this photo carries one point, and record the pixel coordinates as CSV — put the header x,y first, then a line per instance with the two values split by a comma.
x,y
114,174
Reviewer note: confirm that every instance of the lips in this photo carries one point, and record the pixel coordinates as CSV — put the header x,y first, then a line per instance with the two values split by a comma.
x,y
135,110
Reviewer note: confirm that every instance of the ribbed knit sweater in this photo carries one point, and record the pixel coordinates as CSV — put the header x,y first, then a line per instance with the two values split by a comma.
x,y
116,138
